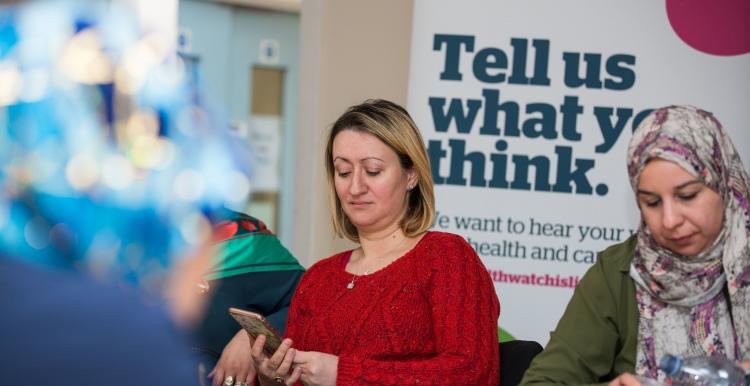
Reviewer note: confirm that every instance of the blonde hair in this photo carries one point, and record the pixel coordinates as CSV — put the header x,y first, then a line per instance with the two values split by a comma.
x,y
391,124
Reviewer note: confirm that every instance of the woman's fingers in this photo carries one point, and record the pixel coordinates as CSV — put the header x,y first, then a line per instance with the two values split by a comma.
x,y
296,376
241,375
244,367
275,361
286,364
246,373
217,376
251,374
278,365
256,352
301,357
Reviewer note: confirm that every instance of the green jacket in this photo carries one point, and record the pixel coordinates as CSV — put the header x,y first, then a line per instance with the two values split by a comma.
x,y
596,337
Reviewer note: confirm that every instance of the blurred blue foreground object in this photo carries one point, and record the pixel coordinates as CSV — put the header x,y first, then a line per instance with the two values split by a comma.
x,y
61,329
112,166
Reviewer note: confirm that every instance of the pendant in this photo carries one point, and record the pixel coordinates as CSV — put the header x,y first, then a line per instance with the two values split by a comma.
x,y
350,285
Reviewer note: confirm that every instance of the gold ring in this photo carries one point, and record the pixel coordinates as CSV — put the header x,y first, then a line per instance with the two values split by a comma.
x,y
229,381
278,379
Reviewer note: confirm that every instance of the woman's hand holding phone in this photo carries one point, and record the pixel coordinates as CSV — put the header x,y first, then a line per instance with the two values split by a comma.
x,y
274,370
256,325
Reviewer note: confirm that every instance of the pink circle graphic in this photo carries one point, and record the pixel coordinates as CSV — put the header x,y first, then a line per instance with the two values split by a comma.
x,y
716,27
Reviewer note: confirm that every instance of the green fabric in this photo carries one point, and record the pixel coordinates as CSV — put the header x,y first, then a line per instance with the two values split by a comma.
x,y
255,252
596,337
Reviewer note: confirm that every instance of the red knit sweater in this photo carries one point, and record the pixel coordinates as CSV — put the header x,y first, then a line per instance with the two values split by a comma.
x,y
429,318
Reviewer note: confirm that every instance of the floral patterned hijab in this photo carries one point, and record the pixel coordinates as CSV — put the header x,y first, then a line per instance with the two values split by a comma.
x,y
695,306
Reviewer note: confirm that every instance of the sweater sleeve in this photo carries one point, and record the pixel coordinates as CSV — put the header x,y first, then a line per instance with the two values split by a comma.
x,y
295,319
584,346
464,317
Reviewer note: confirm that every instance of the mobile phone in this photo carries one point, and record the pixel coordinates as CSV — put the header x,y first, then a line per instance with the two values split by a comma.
x,y
256,324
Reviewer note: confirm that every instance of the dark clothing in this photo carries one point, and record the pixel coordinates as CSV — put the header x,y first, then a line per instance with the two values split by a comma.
x,y
250,270
267,293
61,328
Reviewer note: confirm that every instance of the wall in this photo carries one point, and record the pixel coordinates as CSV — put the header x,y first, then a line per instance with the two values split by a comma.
x,y
227,40
211,28
351,50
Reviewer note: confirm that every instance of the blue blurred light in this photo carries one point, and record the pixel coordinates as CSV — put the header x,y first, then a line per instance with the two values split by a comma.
x,y
111,158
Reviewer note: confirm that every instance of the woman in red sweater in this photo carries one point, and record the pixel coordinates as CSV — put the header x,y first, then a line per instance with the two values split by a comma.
x,y
408,306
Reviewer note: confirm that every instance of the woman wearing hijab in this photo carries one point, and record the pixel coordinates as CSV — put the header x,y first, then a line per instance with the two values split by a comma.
x,y
681,284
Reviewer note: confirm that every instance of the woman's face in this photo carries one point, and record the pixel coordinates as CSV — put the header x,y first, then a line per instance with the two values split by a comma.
x,y
369,181
683,215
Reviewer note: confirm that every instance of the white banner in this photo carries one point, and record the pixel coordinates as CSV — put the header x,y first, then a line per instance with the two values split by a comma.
x,y
527,107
